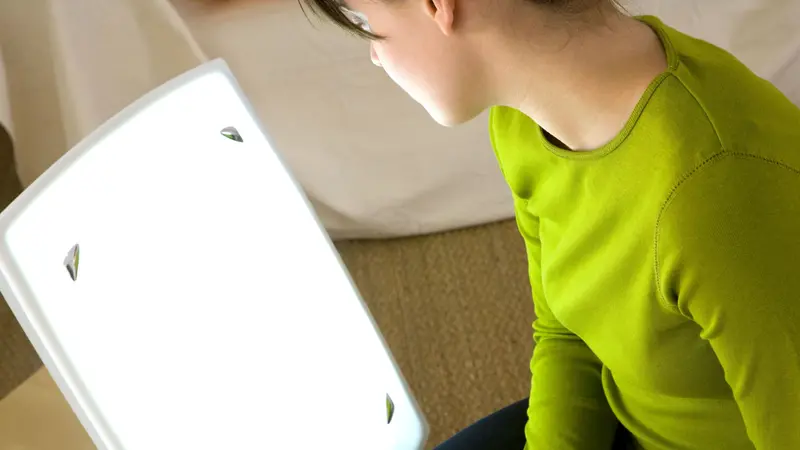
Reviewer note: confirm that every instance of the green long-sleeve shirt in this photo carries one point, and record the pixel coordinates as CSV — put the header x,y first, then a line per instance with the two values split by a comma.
x,y
665,266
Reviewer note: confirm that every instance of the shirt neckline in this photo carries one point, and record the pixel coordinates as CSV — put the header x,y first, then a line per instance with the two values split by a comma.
x,y
672,64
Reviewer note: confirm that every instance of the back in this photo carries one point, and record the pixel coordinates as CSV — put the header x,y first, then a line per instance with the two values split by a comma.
x,y
180,290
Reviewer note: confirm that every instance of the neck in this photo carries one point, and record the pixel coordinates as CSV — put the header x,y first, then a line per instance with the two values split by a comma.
x,y
580,84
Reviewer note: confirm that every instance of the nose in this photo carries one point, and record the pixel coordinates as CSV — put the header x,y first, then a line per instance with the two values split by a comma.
x,y
374,55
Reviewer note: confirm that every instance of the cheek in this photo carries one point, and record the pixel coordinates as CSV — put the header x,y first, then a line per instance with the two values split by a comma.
x,y
407,54
382,53
432,71
374,56
407,66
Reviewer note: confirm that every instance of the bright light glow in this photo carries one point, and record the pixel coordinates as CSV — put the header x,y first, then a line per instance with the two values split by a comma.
x,y
210,311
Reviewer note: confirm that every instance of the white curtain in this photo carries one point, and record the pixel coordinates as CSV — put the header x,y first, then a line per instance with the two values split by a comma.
x,y
371,161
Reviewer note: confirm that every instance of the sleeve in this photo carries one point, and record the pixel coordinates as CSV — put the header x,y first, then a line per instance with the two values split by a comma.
x,y
567,409
728,249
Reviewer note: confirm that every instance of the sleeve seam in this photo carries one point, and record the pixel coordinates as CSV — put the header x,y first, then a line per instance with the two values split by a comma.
x,y
662,298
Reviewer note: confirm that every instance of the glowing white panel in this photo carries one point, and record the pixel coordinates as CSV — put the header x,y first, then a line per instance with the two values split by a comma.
x,y
209,310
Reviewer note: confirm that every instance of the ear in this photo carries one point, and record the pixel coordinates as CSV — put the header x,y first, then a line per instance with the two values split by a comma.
x,y
443,13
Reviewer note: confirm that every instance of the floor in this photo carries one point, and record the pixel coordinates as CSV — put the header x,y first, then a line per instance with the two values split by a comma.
x,y
454,307
456,311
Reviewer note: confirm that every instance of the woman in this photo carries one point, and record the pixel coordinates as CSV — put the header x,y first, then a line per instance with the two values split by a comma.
x,y
656,183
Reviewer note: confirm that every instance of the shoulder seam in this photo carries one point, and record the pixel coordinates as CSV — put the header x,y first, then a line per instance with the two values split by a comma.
x,y
702,108
673,193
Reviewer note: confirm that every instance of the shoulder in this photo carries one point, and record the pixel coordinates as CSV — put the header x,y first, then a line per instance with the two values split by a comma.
x,y
740,105
505,123
731,217
500,114
509,131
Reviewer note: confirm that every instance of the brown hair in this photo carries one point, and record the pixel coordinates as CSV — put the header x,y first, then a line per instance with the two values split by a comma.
x,y
332,10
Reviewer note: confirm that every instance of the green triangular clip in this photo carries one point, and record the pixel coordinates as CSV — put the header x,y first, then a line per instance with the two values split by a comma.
x,y
232,134
389,409
72,261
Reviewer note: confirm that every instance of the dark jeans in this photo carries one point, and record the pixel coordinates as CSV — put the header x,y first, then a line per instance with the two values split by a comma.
x,y
503,430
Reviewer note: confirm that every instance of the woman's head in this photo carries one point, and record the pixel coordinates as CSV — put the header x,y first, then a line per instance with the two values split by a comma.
x,y
441,51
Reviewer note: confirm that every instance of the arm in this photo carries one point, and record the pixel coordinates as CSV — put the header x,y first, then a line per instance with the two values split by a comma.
x,y
568,408
728,251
